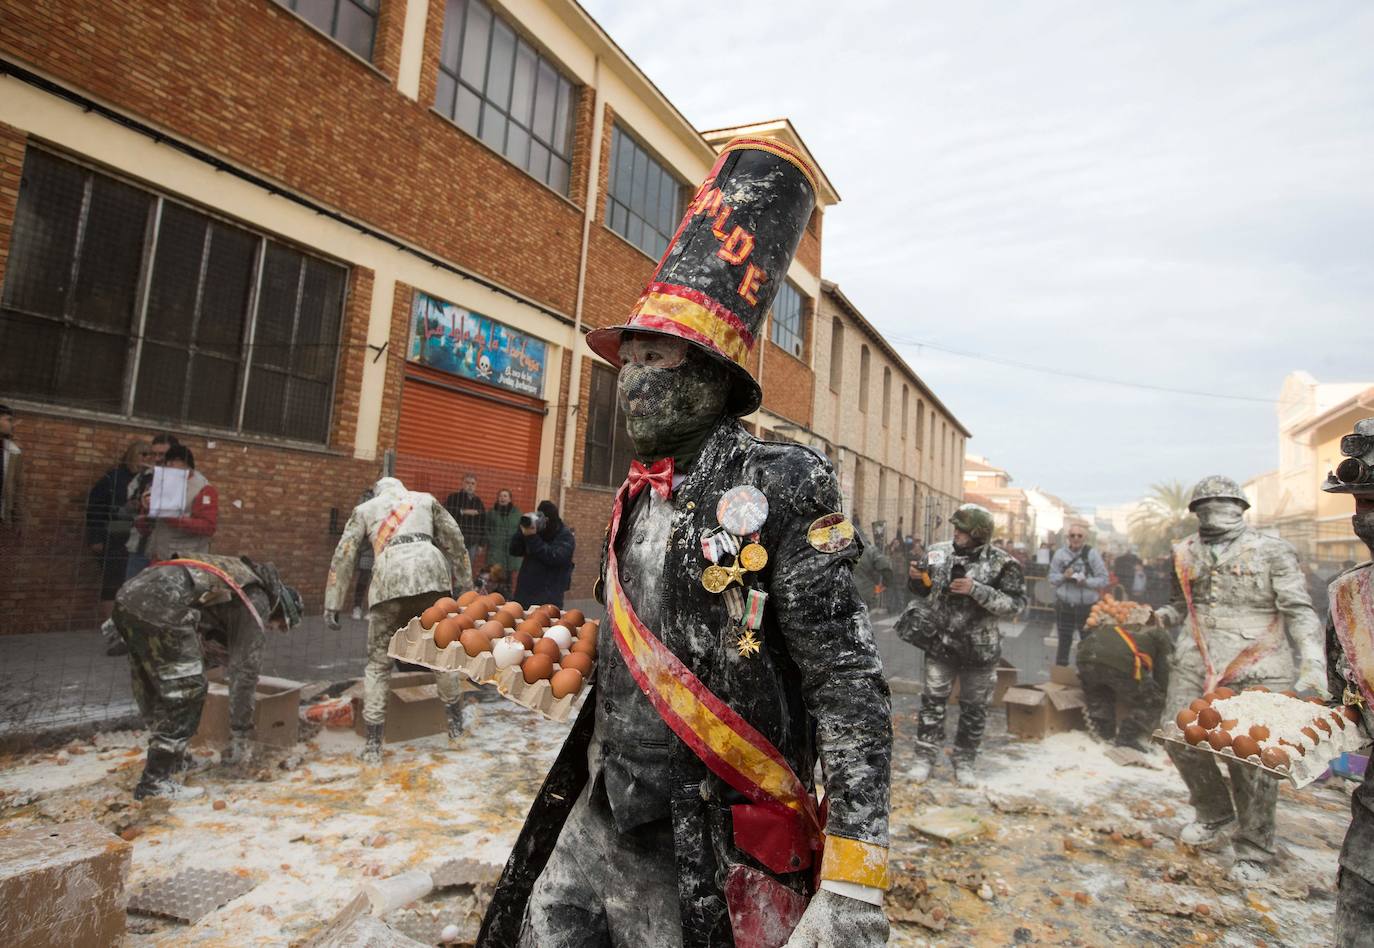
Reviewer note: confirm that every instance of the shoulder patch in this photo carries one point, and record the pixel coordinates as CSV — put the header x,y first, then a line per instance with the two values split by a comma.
x,y
830,533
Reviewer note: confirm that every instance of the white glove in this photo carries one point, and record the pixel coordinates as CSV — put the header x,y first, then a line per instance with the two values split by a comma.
x,y
837,921
331,619
1312,677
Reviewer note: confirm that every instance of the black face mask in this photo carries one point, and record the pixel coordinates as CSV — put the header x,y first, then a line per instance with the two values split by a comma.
x,y
670,411
1363,524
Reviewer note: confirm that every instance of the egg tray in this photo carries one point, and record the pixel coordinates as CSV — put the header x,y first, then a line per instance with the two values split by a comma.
x,y
414,645
1301,769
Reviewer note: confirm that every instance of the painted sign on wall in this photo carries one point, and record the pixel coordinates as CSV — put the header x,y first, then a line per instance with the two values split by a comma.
x,y
451,339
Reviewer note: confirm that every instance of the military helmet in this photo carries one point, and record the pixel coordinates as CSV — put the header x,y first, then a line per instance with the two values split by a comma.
x,y
1355,473
974,520
1217,487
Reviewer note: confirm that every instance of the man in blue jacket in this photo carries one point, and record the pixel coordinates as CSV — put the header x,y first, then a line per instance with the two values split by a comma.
x,y
547,546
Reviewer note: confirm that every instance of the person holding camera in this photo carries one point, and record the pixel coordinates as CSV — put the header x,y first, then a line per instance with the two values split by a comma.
x,y
1078,575
547,546
960,591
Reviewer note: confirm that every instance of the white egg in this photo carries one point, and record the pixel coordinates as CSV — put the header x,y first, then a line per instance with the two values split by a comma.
x,y
507,652
561,635
450,933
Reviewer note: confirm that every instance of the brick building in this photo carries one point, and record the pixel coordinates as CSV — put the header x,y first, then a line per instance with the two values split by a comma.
x,y
314,238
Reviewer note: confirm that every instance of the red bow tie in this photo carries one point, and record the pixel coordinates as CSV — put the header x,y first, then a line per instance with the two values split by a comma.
x,y
658,475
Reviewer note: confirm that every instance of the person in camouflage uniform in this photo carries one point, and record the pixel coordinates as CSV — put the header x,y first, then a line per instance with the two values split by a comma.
x,y
961,591
419,556
169,616
1350,678
1242,601
1118,666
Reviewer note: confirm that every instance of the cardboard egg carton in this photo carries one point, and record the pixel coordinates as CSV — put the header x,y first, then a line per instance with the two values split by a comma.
x,y
414,645
1301,770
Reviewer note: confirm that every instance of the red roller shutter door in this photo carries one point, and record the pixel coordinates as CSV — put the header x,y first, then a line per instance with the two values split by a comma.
x,y
449,426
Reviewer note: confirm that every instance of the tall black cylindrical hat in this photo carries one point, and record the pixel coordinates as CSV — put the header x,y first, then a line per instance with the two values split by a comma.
x,y
725,264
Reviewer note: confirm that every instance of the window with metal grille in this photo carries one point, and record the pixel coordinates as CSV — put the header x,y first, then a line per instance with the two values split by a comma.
x,y
353,23
497,87
607,450
786,328
645,200
121,301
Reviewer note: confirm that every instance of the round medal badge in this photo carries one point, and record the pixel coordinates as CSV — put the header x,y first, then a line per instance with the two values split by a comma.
x,y
742,510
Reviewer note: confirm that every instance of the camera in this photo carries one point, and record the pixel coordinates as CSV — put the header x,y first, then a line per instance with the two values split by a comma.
x,y
533,520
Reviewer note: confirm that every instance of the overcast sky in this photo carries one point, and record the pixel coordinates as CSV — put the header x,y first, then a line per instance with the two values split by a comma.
x,y
1171,193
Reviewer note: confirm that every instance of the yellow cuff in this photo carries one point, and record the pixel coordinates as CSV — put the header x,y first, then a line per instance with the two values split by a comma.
x,y
849,860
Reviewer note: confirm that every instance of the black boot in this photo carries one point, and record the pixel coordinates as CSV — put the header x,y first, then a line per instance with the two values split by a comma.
x,y
455,719
372,751
157,780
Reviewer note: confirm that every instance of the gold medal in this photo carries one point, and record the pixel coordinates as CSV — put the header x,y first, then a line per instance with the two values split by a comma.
x,y
747,643
717,578
753,557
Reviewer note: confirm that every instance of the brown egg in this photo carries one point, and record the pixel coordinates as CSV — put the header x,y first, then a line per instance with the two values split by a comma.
x,y
512,608
565,682
1323,725
1351,712
541,617
476,611
1257,688
1200,705
467,598
547,647
464,623
1315,700
430,617
572,618
447,631
496,599
447,604
552,611
1245,746
1219,739
1210,696
531,627
536,668
474,642
1338,718
492,630
1195,734
1274,757
1229,724
507,620
1302,751
1209,717
1290,693
525,639
578,660
587,628
1185,717
586,647
1224,693
1259,732
1310,734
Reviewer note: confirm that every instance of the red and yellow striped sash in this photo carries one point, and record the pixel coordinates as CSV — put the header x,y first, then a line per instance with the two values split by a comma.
x,y
390,525
1141,659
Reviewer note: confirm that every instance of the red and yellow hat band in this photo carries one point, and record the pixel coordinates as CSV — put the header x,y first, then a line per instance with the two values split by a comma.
x,y
689,314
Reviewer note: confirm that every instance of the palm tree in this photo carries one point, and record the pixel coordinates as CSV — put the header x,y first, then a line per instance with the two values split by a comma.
x,y
1162,519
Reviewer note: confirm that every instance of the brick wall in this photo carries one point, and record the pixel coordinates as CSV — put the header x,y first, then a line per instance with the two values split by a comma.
x,y
249,80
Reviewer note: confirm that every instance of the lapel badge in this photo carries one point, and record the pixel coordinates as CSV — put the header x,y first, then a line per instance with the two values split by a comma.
x,y
831,533
742,510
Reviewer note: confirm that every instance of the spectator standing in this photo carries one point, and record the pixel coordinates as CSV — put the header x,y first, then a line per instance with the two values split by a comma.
x,y
502,524
191,532
467,508
11,469
1123,568
138,542
1140,583
872,572
1078,576
109,522
547,546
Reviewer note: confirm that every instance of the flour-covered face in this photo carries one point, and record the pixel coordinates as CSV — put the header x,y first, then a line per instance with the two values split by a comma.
x,y
670,392
1218,517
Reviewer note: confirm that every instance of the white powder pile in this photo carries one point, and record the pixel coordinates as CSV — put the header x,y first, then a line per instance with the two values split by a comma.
x,y
1284,716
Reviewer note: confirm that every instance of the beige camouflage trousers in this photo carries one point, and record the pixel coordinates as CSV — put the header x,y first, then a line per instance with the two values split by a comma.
x,y
383,620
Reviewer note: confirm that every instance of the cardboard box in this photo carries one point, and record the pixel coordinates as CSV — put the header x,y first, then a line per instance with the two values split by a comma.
x,y
413,708
62,884
276,712
1036,711
1006,678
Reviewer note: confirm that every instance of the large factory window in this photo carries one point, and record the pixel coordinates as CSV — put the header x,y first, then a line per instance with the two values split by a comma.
x,y
645,202
607,451
122,301
499,88
353,23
